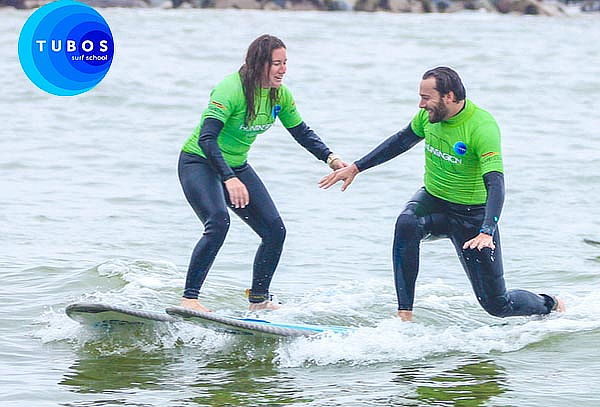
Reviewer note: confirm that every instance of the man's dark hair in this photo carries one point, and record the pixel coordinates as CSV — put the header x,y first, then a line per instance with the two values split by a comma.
x,y
446,80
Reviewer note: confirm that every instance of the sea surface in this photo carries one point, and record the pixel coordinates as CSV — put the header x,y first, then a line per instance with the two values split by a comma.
x,y
91,211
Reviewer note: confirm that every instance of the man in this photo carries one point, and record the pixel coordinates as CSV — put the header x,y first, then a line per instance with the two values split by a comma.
x,y
462,197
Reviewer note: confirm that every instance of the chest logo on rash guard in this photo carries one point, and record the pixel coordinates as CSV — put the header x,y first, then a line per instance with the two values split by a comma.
x,y
255,127
460,148
276,110
444,156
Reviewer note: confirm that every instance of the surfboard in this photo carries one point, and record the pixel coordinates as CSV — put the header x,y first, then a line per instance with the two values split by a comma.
x,y
106,315
248,326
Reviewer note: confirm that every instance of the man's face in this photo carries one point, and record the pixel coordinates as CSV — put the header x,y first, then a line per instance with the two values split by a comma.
x,y
432,101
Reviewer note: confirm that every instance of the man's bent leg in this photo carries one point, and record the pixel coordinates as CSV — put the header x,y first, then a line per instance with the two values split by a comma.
x,y
485,271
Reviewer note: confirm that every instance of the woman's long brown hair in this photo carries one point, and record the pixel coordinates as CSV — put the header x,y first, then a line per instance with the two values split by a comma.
x,y
253,71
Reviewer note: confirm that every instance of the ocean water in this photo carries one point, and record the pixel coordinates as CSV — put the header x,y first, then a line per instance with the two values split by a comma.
x,y
91,211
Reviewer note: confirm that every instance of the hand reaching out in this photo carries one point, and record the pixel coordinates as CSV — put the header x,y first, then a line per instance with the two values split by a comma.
x,y
345,173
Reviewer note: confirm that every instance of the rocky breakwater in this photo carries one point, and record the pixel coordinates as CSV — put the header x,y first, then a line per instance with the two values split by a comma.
x,y
533,7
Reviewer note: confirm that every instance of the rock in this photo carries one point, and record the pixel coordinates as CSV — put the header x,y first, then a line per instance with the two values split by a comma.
x,y
116,3
271,5
18,4
337,5
396,6
366,5
479,5
305,5
551,8
243,4
533,7
590,6
29,4
447,6
400,6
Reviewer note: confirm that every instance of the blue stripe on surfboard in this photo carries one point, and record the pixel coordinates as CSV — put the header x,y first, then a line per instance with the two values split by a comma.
x,y
257,326
320,328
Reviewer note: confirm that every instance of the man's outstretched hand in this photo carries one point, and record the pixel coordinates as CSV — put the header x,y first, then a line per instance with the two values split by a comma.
x,y
345,174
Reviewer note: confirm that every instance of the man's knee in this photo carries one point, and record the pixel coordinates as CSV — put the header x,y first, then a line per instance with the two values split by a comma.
x,y
406,226
496,306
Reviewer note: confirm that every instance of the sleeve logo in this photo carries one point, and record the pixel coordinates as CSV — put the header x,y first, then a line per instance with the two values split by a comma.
x,y
217,104
490,154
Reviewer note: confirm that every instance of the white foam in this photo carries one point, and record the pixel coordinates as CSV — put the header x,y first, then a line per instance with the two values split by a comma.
x,y
447,320
394,341
147,286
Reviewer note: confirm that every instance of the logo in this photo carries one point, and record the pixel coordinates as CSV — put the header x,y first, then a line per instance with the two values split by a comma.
x,y
217,104
460,148
276,110
255,127
442,155
66,48
490,154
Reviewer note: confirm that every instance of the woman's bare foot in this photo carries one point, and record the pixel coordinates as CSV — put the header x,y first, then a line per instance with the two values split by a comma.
x,y
194,304
257,306
405,315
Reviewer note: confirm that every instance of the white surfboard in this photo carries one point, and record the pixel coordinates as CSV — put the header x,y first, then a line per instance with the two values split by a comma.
x,y
248,326
109,315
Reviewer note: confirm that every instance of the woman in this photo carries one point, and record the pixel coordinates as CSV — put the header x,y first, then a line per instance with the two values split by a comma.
x,y
214,172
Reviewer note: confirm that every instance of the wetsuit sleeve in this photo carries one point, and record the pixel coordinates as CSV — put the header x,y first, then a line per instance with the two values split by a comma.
x,y
308,139
208,143
494,184
395,145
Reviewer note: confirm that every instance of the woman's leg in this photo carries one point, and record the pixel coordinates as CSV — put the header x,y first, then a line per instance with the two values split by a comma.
x,y
262,216
204,191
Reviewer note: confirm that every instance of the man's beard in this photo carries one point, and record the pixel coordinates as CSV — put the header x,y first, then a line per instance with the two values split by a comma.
x,y
438,113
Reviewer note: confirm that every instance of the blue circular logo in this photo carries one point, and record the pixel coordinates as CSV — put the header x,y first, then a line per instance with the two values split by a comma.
x,y
276,110
460,148
66,48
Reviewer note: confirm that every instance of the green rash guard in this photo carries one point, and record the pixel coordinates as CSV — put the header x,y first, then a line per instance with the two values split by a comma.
x,y
228,104
458,152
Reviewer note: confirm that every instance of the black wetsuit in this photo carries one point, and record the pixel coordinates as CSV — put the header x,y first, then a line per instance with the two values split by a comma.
x,y
202,181
426,216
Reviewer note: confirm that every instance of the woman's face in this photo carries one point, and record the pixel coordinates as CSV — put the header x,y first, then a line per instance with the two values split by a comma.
x,y
275,72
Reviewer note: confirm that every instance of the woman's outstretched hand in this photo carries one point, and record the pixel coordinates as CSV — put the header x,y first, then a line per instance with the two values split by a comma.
x,y
345,174
338,164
